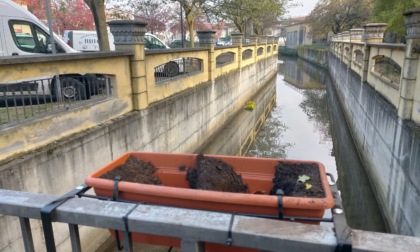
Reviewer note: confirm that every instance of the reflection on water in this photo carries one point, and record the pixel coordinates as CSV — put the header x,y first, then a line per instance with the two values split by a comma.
x,y
300,128
268,142
300,117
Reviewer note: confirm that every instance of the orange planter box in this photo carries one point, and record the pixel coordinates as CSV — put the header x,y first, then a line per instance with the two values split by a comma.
x,y
257,173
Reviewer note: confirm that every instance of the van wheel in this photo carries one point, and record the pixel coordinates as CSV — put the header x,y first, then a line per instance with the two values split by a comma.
x,y
72,89
171,69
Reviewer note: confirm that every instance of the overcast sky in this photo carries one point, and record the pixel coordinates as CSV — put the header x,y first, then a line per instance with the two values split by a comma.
x,y
306,6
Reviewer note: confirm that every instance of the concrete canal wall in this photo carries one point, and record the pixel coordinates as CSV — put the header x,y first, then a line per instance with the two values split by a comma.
x,y
388,145
379,91
318,57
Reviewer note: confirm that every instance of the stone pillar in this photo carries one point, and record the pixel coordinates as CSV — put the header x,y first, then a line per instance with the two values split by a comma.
x,y
276,45
374,32
346,44
263,40
237,41
356,35
366,55
346,36
129,36
409,103
207,39
253,39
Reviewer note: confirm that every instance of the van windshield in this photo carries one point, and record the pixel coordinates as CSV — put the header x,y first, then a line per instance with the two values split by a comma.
x,y
153,43
30,38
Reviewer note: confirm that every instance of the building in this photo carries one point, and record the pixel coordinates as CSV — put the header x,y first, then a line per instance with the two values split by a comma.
x,y
297,32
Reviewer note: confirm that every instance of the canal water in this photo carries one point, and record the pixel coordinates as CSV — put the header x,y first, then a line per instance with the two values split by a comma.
x,y
307,124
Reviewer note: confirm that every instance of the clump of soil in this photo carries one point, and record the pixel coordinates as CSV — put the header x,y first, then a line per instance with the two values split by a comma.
x,y
287,175
215,175
134,170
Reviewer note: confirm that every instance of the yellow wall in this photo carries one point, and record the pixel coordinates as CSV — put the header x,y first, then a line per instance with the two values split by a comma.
x,y
124,69
42,131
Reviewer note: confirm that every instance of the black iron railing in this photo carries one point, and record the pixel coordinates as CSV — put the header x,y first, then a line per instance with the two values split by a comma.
x,y
176,68
24,100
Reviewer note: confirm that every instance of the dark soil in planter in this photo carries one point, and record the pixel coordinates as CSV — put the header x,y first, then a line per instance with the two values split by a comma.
x,y
134,170
287,175
215,175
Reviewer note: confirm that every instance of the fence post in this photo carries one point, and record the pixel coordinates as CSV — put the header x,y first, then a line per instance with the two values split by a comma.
x,y
207,39
237,41
409,103
253,40
129,36
346,53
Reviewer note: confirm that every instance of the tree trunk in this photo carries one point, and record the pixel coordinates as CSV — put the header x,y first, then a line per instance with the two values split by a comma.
x,y
190,22
98,10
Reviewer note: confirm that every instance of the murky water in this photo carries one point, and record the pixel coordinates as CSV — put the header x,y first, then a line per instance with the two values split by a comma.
x,y
298,127
307,124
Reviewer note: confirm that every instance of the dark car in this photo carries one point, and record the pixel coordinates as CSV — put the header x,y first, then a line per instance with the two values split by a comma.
x,y
178,44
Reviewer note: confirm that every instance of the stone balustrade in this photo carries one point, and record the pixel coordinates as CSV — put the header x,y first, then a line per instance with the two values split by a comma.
x,y
391,69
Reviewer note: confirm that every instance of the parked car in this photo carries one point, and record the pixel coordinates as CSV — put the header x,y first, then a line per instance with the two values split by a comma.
x,y
178,44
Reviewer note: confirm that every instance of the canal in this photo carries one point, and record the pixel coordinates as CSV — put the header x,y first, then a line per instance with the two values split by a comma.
x,y
307,123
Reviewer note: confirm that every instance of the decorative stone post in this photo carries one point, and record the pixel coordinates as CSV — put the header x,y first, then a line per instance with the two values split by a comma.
x,y
409,103
237,41
356,35
129,36
207,39
263,40
374,32
276,45
253,39
346,36
347,48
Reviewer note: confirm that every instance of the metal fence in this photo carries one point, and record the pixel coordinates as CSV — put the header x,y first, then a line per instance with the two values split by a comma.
x,y
225,59
194,228
177,67
24,100
247,54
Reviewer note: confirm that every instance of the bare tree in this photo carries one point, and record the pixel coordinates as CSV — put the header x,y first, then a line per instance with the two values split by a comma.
x,y
261,14
192,9
98,10
339,15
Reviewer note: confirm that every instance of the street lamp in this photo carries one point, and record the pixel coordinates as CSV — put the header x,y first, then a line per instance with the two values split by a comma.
x,y
52,41
182,26
48,9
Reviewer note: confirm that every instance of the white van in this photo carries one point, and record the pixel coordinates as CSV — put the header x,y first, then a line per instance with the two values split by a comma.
x,y
87,41
21,33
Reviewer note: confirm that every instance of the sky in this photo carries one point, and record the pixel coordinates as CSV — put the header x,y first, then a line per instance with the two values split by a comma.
x,y
306,6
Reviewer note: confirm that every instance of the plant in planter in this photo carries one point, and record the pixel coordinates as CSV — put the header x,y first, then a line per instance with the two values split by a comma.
x,y
257,176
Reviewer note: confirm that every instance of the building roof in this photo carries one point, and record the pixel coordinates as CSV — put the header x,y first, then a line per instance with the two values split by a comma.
x,y
293,21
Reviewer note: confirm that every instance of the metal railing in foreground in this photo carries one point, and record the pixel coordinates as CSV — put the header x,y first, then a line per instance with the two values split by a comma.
x,y
24,100
192,227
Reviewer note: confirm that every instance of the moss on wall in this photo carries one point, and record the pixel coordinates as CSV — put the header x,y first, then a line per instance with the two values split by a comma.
x,y
315,54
